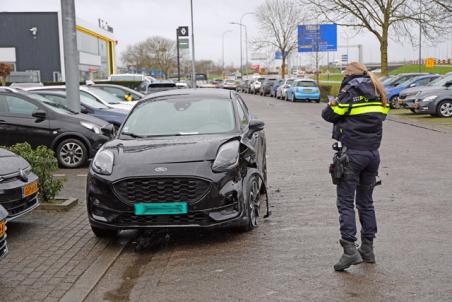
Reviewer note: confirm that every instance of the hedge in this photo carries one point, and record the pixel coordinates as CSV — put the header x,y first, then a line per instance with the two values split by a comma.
x,y
328,89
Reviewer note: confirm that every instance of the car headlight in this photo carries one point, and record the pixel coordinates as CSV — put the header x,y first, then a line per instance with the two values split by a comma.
x,y
429,99
96,129
103,162
227,157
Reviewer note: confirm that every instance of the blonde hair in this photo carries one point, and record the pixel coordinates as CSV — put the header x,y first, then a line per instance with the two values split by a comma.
x,y
355,68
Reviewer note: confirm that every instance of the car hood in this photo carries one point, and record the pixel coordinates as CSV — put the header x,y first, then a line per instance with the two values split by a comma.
x,y
90,119
11,163
140,156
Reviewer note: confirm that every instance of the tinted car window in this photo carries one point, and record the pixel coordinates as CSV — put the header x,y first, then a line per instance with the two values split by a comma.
x,y
168,117
423,82
20,106
305,84
55,98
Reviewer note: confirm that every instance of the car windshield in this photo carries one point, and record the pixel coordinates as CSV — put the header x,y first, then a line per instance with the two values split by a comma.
x,y
289,82
305,84
176,116
87,101
103,95
51,104
441,81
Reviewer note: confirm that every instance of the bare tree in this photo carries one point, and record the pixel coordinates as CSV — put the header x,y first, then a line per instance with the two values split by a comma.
x,y
384,18
278,21
153,53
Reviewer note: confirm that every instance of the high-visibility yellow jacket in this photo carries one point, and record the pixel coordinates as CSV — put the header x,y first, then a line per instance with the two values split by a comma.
x,y
358,115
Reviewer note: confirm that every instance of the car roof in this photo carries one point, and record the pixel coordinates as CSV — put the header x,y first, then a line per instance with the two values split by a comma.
x,y
304,80
54,92
196,92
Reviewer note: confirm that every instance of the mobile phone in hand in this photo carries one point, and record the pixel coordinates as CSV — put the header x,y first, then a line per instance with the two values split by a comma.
x,y
331,99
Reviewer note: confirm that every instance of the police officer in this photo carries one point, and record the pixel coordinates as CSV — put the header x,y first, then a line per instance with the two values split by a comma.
x,y
357,115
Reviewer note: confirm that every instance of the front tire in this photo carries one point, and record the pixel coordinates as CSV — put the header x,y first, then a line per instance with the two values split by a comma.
x,y
394,102
252,205
71,153
444,109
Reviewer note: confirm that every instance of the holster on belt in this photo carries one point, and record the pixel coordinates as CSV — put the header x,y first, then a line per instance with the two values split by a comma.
x,y
340,164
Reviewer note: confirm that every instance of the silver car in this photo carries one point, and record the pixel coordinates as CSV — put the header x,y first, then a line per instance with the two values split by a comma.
x,y
281,92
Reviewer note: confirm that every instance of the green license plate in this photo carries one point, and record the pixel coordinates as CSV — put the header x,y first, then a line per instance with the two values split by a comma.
x,y
167,208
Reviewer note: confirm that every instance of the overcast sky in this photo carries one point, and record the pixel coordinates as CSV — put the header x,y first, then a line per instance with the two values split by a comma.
x,y
135,20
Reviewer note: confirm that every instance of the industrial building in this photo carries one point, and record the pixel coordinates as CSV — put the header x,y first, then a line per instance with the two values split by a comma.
x,y
32,42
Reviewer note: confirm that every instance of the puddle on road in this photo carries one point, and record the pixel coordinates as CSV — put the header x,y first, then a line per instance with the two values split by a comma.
x,y
128,279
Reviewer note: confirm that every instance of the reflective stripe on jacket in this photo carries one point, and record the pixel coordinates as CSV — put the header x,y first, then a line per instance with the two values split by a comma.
x,y
358,116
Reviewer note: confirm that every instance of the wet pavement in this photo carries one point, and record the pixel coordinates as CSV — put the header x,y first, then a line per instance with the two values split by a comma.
x,y
290,256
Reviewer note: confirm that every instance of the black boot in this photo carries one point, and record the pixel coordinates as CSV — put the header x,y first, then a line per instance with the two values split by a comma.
x,y
367,250
350,256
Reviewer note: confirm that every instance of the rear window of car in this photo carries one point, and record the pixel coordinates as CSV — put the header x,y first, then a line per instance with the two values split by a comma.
x,y
305,84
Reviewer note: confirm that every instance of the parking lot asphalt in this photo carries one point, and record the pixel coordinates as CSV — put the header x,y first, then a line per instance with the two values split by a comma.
x,y
289,257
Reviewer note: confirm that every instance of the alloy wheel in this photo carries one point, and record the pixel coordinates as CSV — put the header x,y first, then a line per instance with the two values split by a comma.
x,y
446,109
71,154
254,203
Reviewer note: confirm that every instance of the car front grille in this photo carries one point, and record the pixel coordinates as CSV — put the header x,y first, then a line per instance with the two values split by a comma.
x,y
161,189
164,220
13,202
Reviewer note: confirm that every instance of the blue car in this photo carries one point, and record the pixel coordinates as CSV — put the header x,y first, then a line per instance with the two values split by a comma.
x,y
89,106
303,89
275,86
393,92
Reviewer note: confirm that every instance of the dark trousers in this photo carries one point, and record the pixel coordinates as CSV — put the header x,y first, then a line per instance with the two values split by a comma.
x,y
358,186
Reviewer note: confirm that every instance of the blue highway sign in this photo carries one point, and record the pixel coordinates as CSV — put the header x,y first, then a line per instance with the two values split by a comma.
x,y
317,37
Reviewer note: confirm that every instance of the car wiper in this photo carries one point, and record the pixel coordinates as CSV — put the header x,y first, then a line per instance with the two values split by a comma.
x,y
132,135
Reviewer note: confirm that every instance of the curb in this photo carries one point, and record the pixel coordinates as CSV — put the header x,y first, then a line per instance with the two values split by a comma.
x,y
89,279
68,204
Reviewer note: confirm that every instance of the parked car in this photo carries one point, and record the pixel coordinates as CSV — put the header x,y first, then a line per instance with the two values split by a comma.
x,y
244,86
18,186
230,84
436,101
282,89
95,94
266,86
303,89
275,87
182,159
400,78
27,117
88,106
3,243
408,96
121,92
156,86
256,85
392,93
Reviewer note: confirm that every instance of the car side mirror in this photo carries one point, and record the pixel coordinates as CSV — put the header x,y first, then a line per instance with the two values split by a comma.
x,y
255,126
84,110
39,114
108,130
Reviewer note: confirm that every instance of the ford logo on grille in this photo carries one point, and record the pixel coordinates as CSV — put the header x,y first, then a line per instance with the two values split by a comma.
x,y
161,169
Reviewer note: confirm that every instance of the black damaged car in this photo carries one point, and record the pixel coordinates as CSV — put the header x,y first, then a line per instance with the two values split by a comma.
x,y
183,158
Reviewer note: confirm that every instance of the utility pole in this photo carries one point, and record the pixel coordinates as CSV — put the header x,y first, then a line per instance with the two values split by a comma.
x,y
420,35
178,55
193,74
71,55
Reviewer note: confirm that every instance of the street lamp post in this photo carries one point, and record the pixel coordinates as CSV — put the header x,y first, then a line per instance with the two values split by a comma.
x,y
193,75
241,57
246,38
222,48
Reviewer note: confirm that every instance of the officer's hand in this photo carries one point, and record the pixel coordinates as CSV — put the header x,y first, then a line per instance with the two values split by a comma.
x,y
332,103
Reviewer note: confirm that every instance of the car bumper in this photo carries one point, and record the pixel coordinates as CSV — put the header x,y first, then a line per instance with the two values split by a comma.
x,y
429,108
307,96
220,204
11,198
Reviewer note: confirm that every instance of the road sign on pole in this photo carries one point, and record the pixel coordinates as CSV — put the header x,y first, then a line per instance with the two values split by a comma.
x,y
184,43
430,63
317,37
182,31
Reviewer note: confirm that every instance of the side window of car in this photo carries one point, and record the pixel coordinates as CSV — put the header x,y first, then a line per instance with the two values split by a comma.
x,y
242,103
89,96
3,104
422,82
20,106
243,114
55,98
115,91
